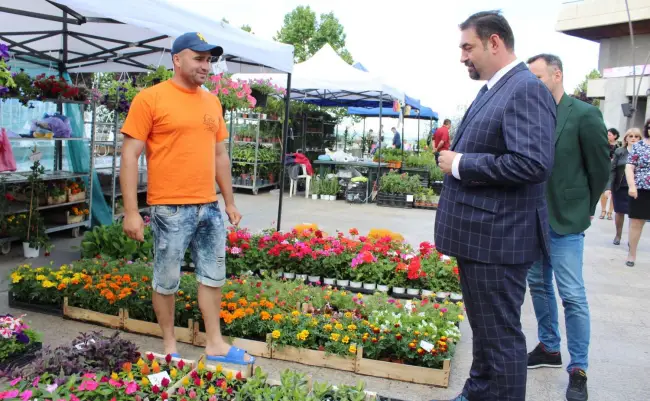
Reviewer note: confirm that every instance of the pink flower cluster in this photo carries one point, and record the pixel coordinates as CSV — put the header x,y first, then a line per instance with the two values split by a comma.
x,y
224,86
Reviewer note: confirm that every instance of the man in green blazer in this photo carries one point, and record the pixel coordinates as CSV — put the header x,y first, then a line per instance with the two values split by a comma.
x,y
580,174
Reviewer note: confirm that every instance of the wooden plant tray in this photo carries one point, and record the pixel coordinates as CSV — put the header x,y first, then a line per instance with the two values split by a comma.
x,y
183,334
56,200
406,373
85,315
252,347
311,357
76,197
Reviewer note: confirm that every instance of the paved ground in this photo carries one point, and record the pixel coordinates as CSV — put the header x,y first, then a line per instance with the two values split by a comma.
x,y
619,299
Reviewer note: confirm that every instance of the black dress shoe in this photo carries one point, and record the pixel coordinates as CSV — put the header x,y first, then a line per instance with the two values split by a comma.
x,y
540,358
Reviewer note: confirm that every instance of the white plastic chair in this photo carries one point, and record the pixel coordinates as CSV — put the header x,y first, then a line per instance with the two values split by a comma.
x,y
293,188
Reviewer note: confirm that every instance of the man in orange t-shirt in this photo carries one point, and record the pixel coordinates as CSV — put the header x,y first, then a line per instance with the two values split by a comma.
x,y
182,127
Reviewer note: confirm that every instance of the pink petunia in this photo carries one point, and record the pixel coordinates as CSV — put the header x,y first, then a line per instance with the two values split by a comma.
x,y
131,388
88,385
225,91
15,381
240,95
26,395
115,383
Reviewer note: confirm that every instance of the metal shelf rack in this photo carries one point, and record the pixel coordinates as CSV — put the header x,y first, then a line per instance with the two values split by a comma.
x,y
56,173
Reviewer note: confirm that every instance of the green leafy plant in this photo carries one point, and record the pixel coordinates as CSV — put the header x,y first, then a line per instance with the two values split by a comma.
x,y
111,241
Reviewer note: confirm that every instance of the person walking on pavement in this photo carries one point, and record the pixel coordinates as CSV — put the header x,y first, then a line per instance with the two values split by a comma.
x,y
182,127
441,139
492,207
580,174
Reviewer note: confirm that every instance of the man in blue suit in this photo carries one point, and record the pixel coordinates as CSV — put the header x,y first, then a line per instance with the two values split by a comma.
x,y
492,212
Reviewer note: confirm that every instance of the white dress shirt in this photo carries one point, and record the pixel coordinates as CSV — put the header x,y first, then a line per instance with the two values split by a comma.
x,y
490,83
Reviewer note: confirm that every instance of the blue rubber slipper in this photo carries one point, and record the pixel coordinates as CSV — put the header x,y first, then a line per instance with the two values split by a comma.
x,y
235,356
175,355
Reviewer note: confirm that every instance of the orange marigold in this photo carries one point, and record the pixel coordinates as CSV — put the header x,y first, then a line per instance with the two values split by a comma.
x,y
230,295
265,315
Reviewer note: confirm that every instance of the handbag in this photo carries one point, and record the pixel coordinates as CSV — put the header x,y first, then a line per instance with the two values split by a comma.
x,y
7,160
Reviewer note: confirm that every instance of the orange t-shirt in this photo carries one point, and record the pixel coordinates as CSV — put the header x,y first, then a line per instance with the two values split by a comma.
x,y
181,128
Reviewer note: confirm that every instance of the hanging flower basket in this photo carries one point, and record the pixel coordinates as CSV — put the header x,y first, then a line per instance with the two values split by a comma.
x,y
260,97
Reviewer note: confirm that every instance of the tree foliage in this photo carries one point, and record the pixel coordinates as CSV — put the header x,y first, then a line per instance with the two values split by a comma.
x,y
580,92
247,28
308,33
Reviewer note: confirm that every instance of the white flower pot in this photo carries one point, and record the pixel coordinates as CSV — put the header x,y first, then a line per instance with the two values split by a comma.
x,y
30,252
356,284
301,277
343,283
456,297
314,279
329,281
289,276
398,290
413,291
192,265
369,286
332,197
314,196
427,293
183,263
325,197
278,274
382,288
441,296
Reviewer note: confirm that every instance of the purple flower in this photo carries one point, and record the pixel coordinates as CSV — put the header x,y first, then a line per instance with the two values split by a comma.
x,y
3,90
4,51
22,337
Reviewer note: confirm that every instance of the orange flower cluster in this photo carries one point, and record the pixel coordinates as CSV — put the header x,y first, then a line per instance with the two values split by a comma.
x,y
114,287
237,309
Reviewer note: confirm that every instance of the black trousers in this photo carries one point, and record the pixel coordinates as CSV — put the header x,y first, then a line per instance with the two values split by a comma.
x,y
493,296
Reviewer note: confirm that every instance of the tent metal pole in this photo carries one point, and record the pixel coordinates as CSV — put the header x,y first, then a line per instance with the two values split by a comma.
x,y
418,143
285,136
379,141
363,138
403,124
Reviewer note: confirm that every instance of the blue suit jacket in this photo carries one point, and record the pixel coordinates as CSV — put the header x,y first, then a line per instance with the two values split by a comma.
x,y
496,213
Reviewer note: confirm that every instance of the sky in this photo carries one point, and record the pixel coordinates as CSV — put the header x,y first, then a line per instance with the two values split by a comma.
x,y
414,44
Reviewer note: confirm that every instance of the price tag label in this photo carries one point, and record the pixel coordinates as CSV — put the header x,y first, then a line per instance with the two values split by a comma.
x,y
36,156
425,345
409,198
156,379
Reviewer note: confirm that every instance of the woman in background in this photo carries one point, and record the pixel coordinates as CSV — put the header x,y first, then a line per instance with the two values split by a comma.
x,y
612,136
637,173
617,187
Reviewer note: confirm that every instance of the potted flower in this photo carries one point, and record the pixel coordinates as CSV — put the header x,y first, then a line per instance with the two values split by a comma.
x,y
6,80
399,280
56,193
16,340
76,215
76,190
262,88
233,95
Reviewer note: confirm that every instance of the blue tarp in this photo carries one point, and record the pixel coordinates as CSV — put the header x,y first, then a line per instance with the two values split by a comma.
x,y
425,113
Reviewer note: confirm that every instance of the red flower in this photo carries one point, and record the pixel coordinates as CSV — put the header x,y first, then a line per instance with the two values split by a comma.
x,y
398,336
436,306
194,375
150,357
239,376
155,389
168,358
9,197
164,395
181,364
165,382
197,381
354,231
208,376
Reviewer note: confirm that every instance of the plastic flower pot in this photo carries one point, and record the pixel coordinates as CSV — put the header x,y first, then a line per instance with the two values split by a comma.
x,y
301,277
329,281
369,286
456,297
343,283
289,276
427,293
398,290
382,288
413,291
355,284
314,279
278,274
29,251
314,196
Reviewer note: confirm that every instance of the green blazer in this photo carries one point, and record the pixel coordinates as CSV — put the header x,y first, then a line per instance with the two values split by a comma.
x,y
581,167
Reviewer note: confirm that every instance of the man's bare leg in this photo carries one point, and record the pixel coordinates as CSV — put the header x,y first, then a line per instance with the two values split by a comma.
x,y
210,304
163,305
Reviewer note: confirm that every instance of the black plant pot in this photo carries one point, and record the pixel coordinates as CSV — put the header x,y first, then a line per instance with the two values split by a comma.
x,y
260,98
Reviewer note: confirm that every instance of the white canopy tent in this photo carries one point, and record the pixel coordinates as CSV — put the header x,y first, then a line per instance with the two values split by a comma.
x,y
124,36
327,80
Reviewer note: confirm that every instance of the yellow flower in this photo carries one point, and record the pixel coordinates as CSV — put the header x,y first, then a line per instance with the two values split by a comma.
x,y
345,340
40,277
353,349
314,322
460,304
186,381
229,375
212,390
276,334
335,336
219,368
114,376
48,284
348,315
339,326
302,336
202,383
130,376
295,313
441,314
327,327
173,373
145,381
352,327
16,277
359,296
140,363
201,366
461,317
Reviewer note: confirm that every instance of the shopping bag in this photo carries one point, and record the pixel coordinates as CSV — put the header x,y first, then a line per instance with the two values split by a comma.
x,y
7,160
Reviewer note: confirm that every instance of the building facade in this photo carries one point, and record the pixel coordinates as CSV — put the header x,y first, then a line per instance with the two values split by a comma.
x,y
606,22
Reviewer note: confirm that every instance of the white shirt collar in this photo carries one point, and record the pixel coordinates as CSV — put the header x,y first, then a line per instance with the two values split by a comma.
x,y
493,81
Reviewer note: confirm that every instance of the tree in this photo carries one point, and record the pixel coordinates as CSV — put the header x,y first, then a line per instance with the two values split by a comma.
x,y
225,20
580,92
308,34
247,28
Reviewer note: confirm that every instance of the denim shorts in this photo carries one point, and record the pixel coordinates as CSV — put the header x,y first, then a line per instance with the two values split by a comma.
x,y
177,227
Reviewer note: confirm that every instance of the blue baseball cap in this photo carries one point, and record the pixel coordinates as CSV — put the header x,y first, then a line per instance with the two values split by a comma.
x,y
195,41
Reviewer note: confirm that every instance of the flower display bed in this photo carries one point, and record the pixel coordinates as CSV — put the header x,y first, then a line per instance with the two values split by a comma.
x,y
90,316
401,372
53,310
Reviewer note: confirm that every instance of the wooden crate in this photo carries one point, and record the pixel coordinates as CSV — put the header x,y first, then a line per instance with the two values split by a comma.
x,y
183,334
312,357
252,347
85,315
406,373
